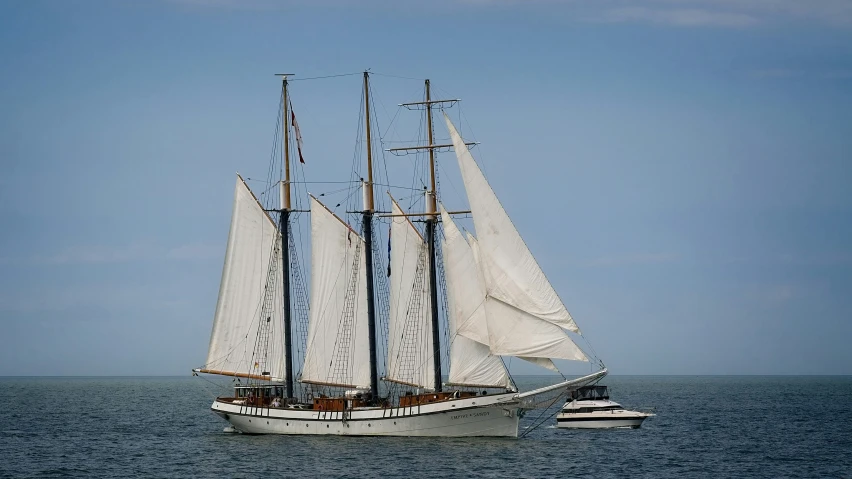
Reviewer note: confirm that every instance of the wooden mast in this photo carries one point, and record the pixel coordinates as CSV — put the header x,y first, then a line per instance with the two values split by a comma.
x,y
369,208
285,243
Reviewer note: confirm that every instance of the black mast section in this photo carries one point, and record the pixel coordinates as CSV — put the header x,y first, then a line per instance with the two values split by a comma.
x,y
285,247
368,243
431,224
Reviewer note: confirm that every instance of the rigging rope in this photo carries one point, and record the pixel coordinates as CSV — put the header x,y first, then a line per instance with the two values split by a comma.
x,y
536,426
326,76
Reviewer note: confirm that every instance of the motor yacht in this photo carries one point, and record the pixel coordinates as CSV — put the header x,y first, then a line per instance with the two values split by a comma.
x,y
589,407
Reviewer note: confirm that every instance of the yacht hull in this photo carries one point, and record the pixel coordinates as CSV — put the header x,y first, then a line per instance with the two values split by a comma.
x,y
491,416
600,421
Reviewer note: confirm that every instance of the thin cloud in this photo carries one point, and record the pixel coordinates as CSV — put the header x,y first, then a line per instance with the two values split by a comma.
x,y
634,259
679,17
814,74
775,73
96,254
674,13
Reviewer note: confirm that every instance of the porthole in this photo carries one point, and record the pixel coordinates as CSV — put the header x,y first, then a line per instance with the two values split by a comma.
x,y
369,425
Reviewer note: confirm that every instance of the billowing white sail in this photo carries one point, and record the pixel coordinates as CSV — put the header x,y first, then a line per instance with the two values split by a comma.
x,y
410,350
512,274
471,361
338,336
253,248
512,332
524,314
543,361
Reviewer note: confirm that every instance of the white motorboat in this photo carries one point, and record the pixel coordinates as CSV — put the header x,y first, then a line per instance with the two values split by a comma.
x,y
590,408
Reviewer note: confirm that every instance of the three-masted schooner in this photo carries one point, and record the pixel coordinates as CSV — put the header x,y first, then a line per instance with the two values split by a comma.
x,y
498,303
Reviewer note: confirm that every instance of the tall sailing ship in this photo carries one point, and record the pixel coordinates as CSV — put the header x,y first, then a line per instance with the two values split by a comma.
x,y
323,377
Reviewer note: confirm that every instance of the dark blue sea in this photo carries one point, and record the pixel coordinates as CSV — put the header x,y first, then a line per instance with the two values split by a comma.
x,y
726,426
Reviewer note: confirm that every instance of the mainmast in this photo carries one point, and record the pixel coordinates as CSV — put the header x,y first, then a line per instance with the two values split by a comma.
x,y
285,241
369,208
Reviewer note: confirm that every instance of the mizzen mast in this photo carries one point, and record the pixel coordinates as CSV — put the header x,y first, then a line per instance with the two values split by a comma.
x,y
285,240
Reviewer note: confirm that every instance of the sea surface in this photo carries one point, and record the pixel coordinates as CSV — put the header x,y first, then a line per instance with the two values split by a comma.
x,y
706,426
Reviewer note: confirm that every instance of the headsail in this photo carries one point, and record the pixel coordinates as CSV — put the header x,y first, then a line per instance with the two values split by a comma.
x,y
525,315
471,361
338,336
253,249
511,272
542,362
409,328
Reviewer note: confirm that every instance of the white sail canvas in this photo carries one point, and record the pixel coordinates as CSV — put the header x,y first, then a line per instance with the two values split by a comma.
x,y
471,362
253,242
338,334
410,347
512,274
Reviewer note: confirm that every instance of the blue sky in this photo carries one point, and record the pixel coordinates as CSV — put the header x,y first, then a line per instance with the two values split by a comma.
x,y
682,169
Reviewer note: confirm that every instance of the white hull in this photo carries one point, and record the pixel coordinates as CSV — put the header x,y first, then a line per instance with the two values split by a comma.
x,y
492,416
601,420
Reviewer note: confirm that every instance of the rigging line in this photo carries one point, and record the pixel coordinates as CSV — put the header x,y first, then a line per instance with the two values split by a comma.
x,y
321,182
326,76
473,137
382,152
452,184
396,76
223,387
536,426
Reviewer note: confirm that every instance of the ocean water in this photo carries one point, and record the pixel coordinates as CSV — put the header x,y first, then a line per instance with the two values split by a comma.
x,y
741,426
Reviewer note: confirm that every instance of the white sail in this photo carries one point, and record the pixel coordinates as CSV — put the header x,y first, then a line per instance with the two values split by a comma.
x,y
542,362
410,349
512,274
253,241
524,314
338,335
512,332
471,361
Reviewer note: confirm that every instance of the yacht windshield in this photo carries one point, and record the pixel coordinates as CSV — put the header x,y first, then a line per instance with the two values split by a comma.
x,y
591,392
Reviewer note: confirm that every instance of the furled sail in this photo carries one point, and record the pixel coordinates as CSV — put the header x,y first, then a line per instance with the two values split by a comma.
x,y
471,361
525,315
252,259
338,335
410,349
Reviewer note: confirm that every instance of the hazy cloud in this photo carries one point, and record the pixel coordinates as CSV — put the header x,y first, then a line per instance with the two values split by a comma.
x,y
634,259
679,17
95,254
